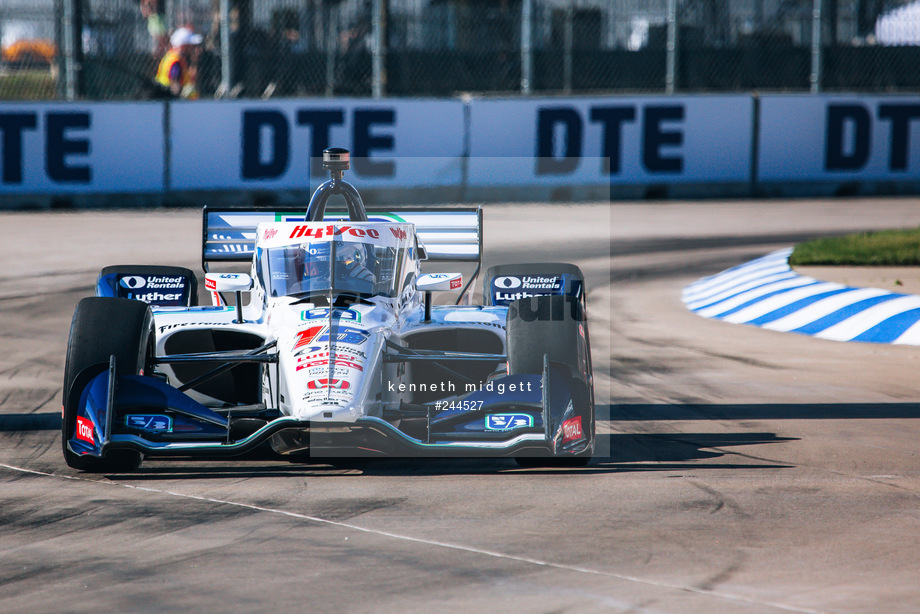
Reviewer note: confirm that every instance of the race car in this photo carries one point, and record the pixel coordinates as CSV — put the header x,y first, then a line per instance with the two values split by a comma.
x,y
339,350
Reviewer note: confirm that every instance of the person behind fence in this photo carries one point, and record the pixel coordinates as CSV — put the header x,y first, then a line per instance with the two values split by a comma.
x,y
152,11
178,67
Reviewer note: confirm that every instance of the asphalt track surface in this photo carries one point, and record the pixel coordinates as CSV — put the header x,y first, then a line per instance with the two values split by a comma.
x,y
745,470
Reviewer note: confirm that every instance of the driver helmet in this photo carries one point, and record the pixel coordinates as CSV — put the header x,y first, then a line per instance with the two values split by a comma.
x,y
349,256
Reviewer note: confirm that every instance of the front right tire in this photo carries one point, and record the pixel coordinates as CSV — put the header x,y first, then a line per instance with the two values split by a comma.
x,y
555,327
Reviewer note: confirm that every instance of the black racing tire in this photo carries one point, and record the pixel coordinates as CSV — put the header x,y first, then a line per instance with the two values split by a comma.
x,y
101,327
516,270
547,325
161,270
543,325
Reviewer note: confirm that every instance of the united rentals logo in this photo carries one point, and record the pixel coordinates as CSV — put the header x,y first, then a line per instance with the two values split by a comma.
x,y
524,286
151,282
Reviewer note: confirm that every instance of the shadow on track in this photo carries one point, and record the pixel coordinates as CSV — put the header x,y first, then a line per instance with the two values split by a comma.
x,y
45,421
667,451
629,452
765,411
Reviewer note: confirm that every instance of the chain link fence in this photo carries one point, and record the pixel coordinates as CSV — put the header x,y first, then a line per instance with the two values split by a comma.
x,y
111,49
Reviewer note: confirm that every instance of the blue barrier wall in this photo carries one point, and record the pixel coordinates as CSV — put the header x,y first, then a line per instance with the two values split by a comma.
x,y
680,144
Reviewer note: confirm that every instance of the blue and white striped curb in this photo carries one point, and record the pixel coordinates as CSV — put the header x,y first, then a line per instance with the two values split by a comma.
x,y
766,292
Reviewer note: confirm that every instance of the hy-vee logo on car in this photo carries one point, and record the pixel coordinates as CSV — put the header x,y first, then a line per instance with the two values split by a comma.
x,y
332,231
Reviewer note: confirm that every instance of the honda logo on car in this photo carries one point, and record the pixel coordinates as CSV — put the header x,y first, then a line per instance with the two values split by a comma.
x,y
85,430
339,384
571,430
332,231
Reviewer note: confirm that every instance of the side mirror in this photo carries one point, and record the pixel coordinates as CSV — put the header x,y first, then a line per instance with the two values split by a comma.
x,y
433,282
230,282
227,282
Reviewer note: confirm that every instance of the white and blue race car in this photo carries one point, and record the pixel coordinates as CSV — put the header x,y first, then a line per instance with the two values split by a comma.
x,y
339,350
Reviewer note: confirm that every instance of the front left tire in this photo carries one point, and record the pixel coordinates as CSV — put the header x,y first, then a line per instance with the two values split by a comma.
x,y
102,327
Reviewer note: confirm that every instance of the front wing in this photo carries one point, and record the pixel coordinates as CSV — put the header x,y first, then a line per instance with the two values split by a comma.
x,y
520,415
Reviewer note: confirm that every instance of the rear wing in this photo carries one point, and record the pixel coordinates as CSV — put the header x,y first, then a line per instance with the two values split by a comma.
x,y
447,233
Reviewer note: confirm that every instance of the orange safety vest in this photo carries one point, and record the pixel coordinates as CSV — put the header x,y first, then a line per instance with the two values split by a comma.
x,y
172,56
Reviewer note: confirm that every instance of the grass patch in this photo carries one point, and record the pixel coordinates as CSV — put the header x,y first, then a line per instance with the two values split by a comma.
x,y
882,248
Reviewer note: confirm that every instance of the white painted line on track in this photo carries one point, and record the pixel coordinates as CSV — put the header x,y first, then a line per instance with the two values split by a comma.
x,y
429,542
